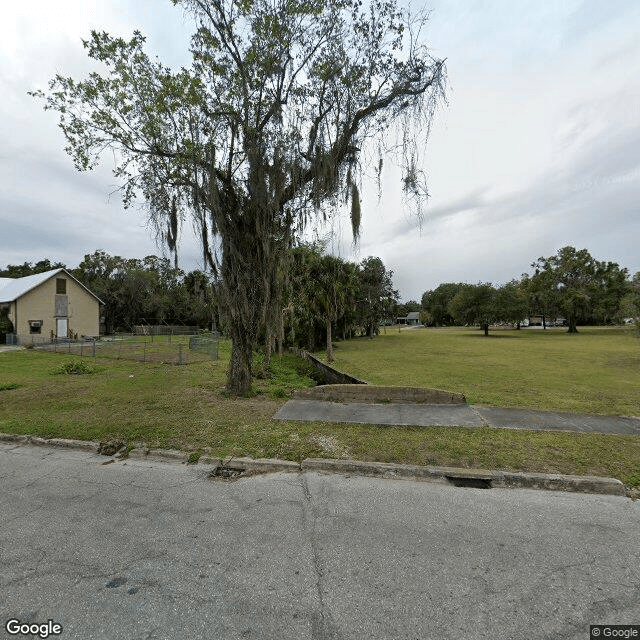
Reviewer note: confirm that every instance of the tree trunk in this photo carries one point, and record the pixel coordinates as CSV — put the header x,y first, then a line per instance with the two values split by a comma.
x,y
485,327
239,381
311,339
244,300
267,348
280,329
252,244
329,343
573,327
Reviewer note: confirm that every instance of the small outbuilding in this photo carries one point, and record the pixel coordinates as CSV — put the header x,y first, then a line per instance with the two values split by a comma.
x,y
412,318
49,305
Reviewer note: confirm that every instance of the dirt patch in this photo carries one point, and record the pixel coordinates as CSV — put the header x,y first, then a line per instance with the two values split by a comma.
x,y
332,446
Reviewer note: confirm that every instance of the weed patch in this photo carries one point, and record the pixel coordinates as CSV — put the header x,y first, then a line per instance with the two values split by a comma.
x,y
75,367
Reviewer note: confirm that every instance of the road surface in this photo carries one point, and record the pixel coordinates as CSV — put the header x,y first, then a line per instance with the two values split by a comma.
x,y
143,550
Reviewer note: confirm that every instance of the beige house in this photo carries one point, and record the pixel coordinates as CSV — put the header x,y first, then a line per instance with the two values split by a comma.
x,y
50,305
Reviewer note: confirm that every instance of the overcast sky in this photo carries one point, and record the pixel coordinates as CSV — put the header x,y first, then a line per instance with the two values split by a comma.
x,y
538,148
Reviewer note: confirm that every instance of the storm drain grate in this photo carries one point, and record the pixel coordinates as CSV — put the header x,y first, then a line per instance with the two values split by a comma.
x,y
473,483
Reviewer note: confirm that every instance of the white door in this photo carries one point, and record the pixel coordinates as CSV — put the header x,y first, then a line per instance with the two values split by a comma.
x,y
61,327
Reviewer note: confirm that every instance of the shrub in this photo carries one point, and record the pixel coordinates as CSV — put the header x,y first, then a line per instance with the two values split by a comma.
x,y
75,367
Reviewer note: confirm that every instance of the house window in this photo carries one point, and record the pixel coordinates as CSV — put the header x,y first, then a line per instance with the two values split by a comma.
x,y
35,326
61,285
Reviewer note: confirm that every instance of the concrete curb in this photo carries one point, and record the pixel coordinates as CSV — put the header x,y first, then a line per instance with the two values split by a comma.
x,y
159,455
263,465
83,445
476,478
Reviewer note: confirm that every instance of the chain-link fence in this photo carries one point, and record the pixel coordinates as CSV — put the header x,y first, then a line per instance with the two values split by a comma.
x,y
165,349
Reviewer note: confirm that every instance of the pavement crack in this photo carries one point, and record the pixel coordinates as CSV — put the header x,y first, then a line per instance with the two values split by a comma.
x,y
476,412
22,516
323,626
28,573
574,565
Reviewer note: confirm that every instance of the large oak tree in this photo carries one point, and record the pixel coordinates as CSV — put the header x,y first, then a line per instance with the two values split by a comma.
x,y
579,285
265,129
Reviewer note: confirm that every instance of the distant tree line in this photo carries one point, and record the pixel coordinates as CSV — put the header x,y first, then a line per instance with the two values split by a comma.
x,y
320,296
570,284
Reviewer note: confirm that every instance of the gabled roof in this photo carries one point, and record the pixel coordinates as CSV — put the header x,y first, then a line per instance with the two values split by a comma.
x,y
413,315
13,288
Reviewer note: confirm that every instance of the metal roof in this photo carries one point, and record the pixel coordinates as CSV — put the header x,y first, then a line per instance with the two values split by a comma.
x,y
13,288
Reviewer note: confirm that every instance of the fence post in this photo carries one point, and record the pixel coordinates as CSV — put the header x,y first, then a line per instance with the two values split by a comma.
x,y
144,356
180,354
94,348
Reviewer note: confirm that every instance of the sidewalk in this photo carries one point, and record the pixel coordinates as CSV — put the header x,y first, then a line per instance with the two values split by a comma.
x,y
450,415
8,347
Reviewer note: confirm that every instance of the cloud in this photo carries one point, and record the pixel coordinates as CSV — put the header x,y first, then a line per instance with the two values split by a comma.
x,y
537,149
588,197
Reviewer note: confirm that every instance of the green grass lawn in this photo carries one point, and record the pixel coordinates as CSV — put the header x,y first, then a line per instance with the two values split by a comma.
x,y
595,371
185,407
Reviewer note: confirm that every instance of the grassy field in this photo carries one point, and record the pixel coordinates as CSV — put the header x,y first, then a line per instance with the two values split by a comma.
x,y
185,407
595,371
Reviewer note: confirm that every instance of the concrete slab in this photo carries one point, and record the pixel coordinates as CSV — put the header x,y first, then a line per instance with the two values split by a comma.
x,y
553,421
426,415
385,414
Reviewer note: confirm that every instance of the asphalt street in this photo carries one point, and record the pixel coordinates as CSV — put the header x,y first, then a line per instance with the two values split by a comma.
x,y
137,549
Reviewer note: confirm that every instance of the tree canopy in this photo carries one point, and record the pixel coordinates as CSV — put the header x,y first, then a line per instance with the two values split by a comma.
x,y
324,291
475,304
147,291
436,302
29,269
265,129
577,284
570,284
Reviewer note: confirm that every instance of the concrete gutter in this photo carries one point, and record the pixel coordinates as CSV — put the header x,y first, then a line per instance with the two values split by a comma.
x,y
82,445
235,467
